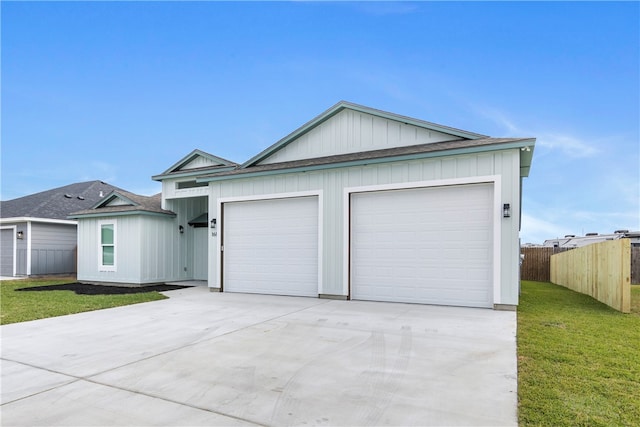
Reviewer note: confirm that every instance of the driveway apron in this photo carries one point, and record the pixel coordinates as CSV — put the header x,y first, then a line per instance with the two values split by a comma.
x,y
201,358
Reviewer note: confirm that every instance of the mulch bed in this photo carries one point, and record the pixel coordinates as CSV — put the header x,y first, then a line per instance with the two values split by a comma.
x,y
86,289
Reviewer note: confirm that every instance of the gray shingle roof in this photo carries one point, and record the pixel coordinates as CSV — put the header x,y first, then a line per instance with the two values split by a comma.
x,y
57,203
152,204
368,155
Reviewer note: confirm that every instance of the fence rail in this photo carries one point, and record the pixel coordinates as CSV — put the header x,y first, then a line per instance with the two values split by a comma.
x,y
601,270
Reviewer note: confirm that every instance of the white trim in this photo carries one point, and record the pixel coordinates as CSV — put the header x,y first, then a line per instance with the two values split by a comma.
x,y
115,245
496,180
32,219
29,248
15,246
220,225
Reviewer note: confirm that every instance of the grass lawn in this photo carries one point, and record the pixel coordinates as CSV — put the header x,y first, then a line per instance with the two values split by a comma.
x,y
578,360
23,306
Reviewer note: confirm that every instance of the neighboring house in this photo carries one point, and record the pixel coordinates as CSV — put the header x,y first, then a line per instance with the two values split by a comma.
x,y
355,204
572,241
36,237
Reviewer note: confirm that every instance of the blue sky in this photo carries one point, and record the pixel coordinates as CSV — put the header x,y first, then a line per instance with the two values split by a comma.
x,y
121,91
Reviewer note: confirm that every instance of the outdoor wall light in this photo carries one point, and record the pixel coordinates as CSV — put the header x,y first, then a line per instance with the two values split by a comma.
x,y
20,235
506,210
213,223
181,229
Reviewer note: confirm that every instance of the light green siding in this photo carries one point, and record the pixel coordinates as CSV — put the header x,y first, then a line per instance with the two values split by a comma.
x,y
352,131
332,183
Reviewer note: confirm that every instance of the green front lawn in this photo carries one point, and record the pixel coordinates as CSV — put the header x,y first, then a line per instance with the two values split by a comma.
x,y
23,306
578,360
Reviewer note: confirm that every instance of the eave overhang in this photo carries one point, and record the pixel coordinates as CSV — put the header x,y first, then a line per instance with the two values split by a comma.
x,y
284,168
121,213
40,220
192,173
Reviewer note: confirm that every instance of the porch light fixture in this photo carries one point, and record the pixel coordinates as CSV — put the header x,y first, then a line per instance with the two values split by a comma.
x,y
213,223
181,229
20,235
506,210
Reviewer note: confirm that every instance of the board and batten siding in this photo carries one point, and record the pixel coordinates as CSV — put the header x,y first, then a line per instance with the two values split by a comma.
x,y
182,247
127,248
352,131
504,163
53,248
146,250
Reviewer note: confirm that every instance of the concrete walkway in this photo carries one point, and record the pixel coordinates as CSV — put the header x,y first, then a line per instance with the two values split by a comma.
x,y
202,358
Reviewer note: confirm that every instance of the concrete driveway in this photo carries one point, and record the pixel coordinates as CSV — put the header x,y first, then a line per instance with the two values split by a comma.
x,y
202,358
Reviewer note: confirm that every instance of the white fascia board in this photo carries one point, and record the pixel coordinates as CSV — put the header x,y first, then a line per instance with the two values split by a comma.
x,y
122,213
40,220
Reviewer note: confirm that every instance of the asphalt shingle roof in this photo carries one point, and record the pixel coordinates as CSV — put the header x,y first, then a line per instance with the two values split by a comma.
x,y
141,204
368,155
57,203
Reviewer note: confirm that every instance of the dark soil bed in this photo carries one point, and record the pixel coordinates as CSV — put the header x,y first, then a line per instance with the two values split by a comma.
x,y
86,289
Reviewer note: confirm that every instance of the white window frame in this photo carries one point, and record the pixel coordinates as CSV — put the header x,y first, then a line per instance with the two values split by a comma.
x,y
102,267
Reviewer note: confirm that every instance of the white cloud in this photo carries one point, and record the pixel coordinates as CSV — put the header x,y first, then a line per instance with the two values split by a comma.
x,y
572,146
537,230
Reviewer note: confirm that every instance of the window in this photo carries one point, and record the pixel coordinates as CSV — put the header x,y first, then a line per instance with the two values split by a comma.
x,y
107,246
190,184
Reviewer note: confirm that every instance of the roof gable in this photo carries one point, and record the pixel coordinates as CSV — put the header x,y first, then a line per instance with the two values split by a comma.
x,y
349,128
115,198
195,163
122,202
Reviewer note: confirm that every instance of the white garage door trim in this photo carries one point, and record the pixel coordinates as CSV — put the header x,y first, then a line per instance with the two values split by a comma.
x,y
497,225
13,229
221,201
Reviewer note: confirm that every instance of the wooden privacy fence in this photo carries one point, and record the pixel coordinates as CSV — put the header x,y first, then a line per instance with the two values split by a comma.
x,y
635,265
536,265
601,270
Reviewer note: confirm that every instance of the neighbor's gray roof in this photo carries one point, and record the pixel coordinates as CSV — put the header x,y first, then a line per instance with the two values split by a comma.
x,y
390,153
151,204
57,203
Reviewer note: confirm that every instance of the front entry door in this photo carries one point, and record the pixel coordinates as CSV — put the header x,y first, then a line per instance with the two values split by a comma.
x,y
200,250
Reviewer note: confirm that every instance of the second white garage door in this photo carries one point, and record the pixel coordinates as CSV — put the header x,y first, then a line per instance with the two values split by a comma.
x,y
271,246
427,245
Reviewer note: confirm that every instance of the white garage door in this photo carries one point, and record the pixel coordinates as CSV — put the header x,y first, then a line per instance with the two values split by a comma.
x,y
271,246
427,245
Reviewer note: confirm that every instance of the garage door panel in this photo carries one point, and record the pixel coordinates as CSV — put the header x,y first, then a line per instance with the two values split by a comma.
x,y
427,245
271,246
6,252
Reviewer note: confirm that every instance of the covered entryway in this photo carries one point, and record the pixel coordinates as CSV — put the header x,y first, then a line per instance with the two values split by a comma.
x,y
271,246
200,226
429,245
7,252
